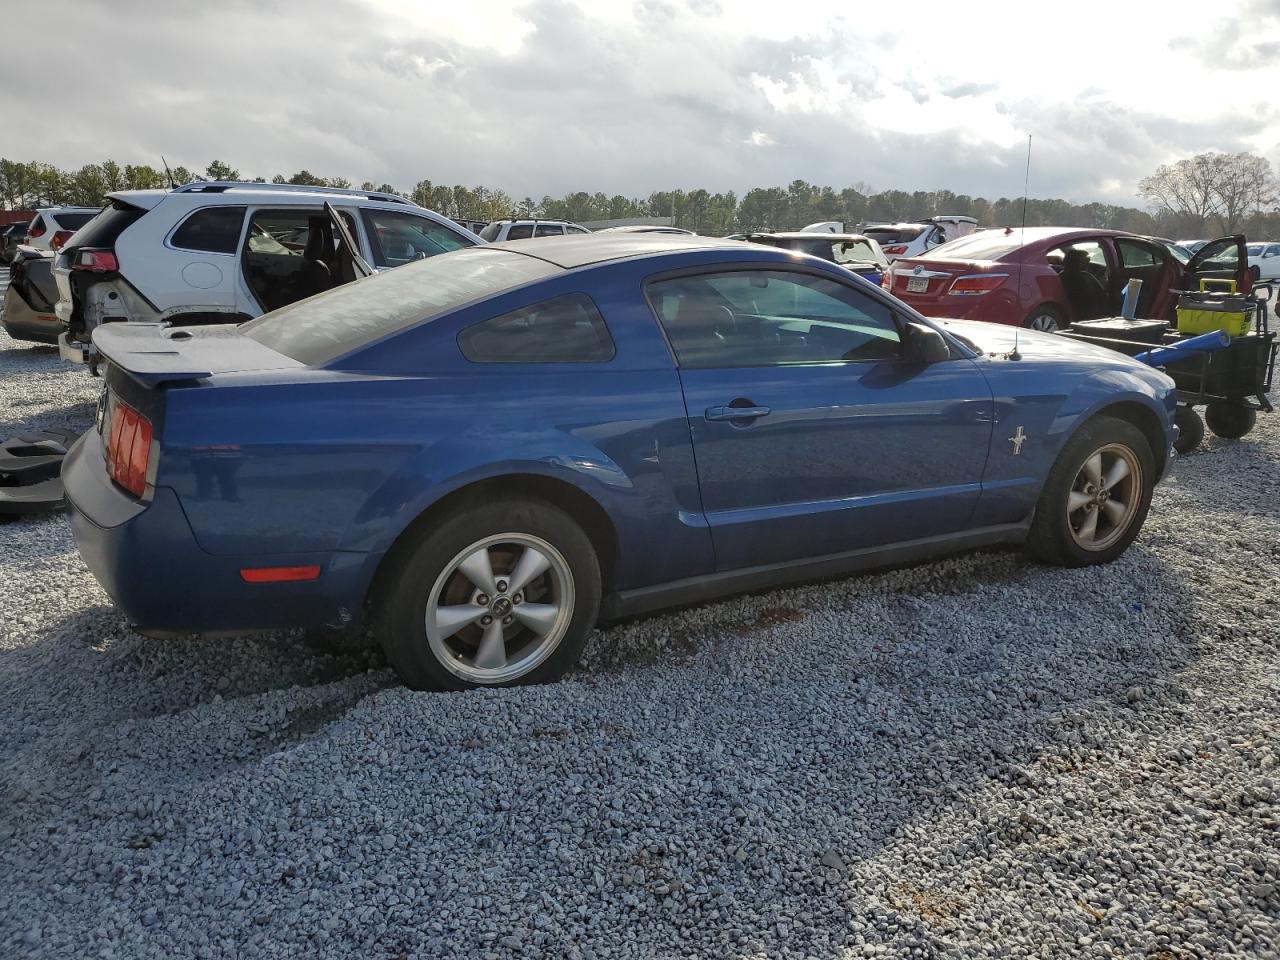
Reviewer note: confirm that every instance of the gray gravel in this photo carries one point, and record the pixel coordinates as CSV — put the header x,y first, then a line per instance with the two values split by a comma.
x,y
971,758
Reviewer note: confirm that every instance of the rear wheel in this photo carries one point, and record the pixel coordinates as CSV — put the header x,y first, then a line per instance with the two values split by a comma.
x,y
1256,272
1228,420
499,594
1190,429
1096,497
1044,319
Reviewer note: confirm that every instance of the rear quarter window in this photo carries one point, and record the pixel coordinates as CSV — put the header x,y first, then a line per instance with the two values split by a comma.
x,y
212,230
325,327
566,329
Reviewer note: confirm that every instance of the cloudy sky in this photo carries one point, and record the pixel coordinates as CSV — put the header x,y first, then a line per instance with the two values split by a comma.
x,y
629,96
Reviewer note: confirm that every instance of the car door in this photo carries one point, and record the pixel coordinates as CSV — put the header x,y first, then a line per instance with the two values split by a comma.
x,y
397,237
1226,258
814,430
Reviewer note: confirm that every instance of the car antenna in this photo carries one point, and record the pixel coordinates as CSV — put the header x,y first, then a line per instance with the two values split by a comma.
x,y
168,173
1022,240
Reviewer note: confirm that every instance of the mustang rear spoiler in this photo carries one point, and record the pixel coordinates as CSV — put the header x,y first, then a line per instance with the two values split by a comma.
x,y
152,353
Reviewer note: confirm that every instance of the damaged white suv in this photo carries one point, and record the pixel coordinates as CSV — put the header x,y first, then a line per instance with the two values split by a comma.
x,y
222,252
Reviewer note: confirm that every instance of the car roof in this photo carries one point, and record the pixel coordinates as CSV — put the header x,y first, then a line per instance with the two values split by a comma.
x,y
581,250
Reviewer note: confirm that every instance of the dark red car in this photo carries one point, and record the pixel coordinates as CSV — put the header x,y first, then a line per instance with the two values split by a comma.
x,y
1047,277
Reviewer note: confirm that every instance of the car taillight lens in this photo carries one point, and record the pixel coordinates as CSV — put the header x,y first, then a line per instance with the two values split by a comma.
x,y
35,232
896,250
95,261
129,448
977,285
61,237
886,280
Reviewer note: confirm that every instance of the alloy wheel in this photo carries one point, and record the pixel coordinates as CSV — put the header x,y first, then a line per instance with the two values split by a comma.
x,y
1044,322
1104,497
499,608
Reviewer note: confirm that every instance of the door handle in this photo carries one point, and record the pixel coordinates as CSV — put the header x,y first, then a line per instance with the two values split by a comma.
x,y
730,412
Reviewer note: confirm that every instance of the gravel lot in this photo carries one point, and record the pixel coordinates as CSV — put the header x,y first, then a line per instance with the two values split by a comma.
x,y
971,758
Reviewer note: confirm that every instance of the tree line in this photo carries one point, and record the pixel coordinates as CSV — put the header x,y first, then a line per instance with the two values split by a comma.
x,y
1208,194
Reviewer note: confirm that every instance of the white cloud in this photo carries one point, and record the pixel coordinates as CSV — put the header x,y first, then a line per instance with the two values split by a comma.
x,y
560,95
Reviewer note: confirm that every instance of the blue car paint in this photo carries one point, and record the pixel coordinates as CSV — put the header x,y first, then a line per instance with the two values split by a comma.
x,y
290,466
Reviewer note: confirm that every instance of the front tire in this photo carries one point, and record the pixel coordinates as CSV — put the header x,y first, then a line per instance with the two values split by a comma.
x,y
498,594
1096,497
1231,421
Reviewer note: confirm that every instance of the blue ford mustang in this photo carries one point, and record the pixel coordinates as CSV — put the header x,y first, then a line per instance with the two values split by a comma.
x,y
487,452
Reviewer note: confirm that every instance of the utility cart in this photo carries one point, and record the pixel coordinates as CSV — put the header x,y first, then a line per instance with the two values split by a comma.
x,y
1221,355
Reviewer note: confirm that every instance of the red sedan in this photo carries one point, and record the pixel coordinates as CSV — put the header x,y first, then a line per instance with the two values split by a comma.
x,y
1047,277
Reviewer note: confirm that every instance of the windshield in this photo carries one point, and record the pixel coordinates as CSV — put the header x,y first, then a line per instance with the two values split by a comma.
x,y
1182,253
324,327
992,245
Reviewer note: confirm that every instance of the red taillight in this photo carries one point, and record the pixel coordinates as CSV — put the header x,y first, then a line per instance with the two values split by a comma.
x,y
36,231
129,448
976,284
886,281
61,237
896,250
280,574
95,261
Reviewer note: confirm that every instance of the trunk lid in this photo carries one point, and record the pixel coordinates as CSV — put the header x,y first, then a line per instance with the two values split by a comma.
x,y
152,354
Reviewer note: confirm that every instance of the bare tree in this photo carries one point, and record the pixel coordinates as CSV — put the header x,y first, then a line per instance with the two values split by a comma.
x,y
1244,183
1186,190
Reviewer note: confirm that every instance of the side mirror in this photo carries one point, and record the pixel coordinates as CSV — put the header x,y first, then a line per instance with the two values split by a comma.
x,y
926,344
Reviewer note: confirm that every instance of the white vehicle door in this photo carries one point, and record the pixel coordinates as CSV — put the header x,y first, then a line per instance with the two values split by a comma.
x,y
1269,264
191,268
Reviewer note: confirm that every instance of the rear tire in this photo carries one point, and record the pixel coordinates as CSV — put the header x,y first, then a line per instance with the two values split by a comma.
x,y
1190,429
1231,421
1044,319
1257,273
498,594
1096,497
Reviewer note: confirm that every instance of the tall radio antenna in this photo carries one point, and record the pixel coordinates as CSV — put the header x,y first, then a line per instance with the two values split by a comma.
x,y
1022,240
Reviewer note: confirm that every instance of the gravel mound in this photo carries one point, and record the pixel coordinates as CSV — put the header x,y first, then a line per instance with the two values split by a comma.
x,y
977,757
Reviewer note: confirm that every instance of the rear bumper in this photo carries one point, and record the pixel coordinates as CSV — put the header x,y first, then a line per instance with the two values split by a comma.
x,y
23,323
147,559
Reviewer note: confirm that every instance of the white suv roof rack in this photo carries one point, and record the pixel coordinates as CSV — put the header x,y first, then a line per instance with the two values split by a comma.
x,y
222,186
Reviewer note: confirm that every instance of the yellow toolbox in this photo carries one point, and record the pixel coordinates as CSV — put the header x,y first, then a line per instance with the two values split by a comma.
x,y
1208,310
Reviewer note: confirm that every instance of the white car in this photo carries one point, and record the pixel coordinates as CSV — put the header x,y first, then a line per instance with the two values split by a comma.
x,y
899,240
51,227
498,230
221,252
1264,260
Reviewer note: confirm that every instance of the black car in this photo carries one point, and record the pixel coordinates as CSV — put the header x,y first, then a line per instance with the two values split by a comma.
x,y
10,236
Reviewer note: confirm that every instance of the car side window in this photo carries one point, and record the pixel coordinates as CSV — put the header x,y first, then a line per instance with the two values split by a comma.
x,y
767,317
520,231
1133,255
1272,251
573,229
548,230
399,238
566,329
211,230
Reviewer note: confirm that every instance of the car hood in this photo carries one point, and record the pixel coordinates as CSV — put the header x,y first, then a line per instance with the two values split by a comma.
x,y
996,339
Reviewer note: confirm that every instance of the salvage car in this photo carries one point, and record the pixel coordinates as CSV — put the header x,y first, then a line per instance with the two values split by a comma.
x,y
487,452
1046,278
28,302
1264,261
496,231
852,251
914,239
51,227
11,235
221,252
